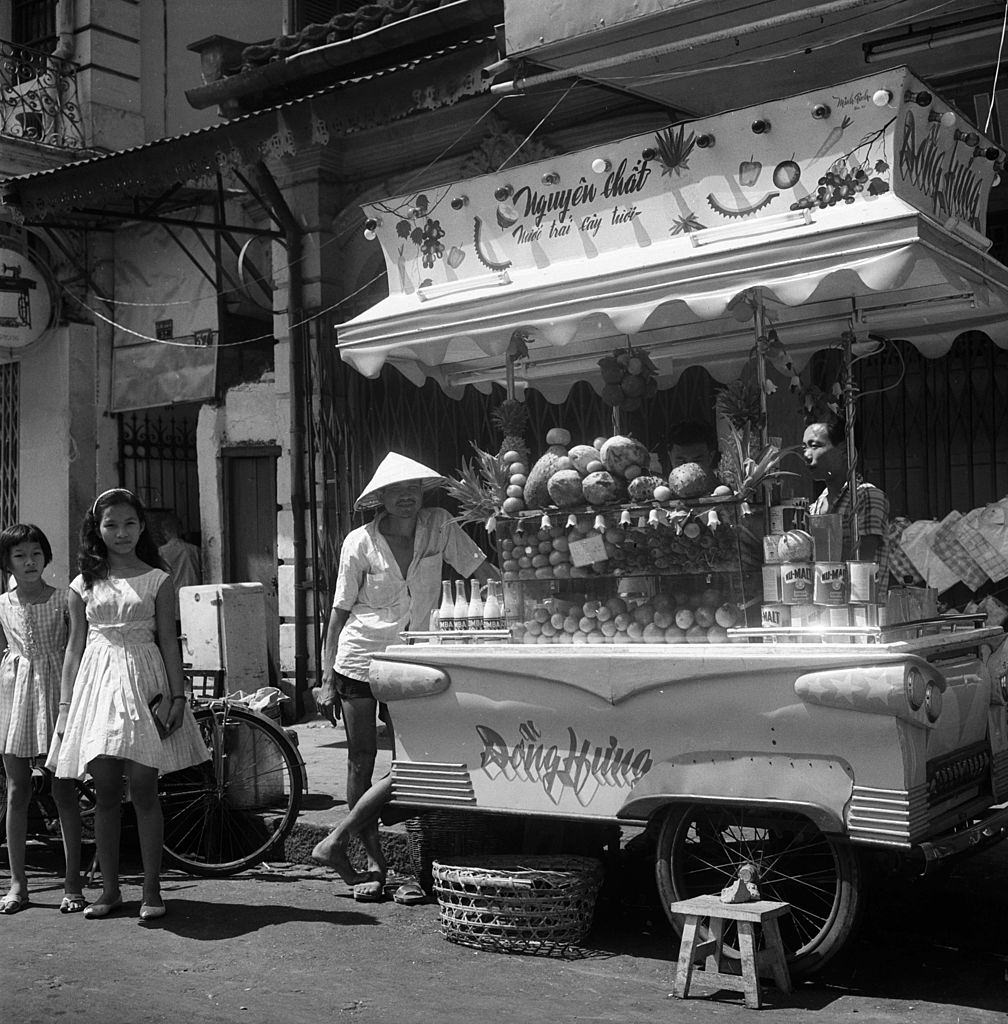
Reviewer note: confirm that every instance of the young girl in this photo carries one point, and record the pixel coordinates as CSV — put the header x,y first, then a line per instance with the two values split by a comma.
x,y
122,655
34,621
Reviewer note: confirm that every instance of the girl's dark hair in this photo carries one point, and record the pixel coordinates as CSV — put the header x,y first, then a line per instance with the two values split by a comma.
x,y
22,533
92,555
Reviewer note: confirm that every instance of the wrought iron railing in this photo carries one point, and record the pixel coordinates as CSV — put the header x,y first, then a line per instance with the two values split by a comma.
x,y
38,97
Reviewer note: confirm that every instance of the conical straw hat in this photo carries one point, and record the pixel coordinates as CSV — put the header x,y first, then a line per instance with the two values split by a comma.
x,y
396,469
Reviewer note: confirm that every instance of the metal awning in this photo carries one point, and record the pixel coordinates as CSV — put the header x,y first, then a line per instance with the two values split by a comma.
x,y
668,239
94,189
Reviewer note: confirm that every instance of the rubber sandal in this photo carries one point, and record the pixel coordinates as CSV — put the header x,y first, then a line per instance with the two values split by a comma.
x,y
72,903
98,910
13,904
409,894
371,891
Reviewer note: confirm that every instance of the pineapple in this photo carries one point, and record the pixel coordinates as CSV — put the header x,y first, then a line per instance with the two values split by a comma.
x,y
511,418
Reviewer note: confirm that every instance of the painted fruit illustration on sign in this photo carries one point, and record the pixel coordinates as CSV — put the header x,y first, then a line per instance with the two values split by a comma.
x,y
786,174
749,172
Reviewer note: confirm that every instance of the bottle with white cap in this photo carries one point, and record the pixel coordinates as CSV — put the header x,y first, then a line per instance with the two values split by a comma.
x,y
474,613
446,613
493,612
460,612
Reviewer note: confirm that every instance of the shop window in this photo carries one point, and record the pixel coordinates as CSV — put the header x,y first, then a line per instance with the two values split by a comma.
x,y
157,453
33,24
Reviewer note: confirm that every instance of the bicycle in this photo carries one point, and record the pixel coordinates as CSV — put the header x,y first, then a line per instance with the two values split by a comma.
x,y
221,816
227,813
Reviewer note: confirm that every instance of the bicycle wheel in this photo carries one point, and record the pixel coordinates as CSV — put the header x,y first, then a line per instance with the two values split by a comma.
x,y
227,813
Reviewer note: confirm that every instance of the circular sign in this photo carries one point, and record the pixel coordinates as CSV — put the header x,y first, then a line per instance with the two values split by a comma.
x,y
26,300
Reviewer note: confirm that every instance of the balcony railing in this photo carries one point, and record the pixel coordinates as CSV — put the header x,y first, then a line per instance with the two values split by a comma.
x,y
38,97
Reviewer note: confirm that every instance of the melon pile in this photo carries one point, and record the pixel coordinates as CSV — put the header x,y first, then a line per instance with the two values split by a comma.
x,y
609,471
669,618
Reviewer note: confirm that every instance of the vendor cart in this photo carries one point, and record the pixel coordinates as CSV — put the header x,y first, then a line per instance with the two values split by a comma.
x,y
743,739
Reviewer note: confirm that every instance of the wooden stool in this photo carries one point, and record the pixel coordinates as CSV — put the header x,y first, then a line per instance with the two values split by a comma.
x,y
746,915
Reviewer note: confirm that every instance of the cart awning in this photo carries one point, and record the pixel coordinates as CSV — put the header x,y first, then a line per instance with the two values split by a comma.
x,y
669,241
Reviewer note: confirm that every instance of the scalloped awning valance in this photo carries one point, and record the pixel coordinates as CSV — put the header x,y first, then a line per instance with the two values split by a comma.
x,y
869,209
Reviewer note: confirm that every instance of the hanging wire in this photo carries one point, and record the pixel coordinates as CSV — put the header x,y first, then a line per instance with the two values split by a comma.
x,y
337,236
997,68
226,344
543,120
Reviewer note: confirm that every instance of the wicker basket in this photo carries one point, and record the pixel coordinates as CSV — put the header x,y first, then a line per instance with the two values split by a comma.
x,y
515,904
449,835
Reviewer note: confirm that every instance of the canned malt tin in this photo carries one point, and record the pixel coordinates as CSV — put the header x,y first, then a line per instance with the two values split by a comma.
x,y
863,582
830,585
791,514
771,584
796,582
835,616
808,617
774,616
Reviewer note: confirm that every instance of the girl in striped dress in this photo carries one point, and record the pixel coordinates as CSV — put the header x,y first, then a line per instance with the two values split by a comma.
x,y
127,714
34,622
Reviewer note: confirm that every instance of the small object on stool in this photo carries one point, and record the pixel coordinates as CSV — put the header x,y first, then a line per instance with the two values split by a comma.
x,y
744,889
746,916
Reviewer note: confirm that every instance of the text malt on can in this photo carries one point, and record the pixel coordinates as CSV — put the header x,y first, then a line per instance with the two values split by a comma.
x,y
830,586
775,616
796,583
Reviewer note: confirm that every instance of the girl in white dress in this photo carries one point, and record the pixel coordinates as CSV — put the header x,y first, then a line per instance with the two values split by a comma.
x,y
123,655
34,638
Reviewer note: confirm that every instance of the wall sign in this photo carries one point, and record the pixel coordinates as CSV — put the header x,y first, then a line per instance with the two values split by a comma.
x,y
26,300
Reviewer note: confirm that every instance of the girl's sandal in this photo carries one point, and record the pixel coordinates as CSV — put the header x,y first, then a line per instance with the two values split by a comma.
x,y
13,904
72,903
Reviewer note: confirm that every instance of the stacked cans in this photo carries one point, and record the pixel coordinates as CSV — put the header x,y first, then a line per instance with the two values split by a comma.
x,y
806,583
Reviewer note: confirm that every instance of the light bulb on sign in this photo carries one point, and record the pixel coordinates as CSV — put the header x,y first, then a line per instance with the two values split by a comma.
x,y
459,202
760,126
705,141
882,98
371,228
600,165
947,120
922,98
821,111
551,178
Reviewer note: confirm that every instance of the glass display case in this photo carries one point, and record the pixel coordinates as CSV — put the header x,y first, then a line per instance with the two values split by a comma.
x,y
660,574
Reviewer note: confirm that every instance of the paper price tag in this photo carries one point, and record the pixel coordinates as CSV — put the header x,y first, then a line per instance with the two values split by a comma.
x,y
585,552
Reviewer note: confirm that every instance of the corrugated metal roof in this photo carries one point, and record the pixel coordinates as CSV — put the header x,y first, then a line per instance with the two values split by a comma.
x,y
146,147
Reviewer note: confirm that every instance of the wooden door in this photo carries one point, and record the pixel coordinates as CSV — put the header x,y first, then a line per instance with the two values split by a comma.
x,y
250,548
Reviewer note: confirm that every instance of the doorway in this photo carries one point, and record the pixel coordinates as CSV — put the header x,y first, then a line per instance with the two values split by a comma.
x,y
250,549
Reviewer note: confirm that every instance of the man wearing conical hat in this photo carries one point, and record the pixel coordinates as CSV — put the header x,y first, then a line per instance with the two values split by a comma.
x,y
389,581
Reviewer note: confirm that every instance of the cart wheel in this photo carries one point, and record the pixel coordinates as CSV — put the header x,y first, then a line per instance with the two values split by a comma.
x,y
701,848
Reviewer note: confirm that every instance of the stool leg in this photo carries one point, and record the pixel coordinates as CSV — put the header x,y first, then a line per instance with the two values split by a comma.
x,y
717,927
684,968
778,963
750,980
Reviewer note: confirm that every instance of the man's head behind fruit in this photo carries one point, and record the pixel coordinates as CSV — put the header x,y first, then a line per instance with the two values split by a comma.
x,y
693,441
825,448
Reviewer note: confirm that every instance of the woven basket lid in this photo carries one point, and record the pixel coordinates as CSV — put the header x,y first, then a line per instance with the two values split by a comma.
x,y
396,469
